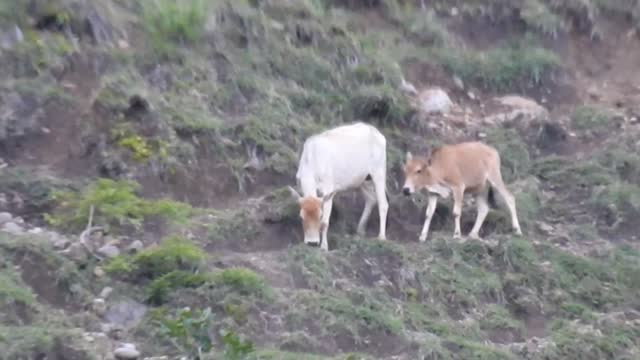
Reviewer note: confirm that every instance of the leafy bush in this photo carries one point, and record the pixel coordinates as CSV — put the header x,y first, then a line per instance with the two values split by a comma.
x,y
173,253
159,288
243,280
115,204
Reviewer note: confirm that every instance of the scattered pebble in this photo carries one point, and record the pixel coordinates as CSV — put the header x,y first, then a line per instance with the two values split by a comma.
x,y
13,228
99,306
98,272
135,246
5,217
106,292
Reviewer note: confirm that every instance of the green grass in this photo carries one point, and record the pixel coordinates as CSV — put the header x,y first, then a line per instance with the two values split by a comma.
x,y
509,67
170,23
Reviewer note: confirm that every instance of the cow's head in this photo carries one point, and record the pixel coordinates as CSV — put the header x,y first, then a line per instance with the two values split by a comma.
x,y
311,215
417,174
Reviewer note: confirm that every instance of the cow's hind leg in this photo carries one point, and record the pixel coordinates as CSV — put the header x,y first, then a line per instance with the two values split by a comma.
x,y
495,178
483,209
379,179
368,191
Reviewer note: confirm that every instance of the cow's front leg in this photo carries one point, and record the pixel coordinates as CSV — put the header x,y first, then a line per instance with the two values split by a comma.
x,y
431,208
324,224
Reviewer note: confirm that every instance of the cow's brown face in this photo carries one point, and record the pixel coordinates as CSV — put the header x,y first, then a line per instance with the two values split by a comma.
x,y
311,208
416,174
311,215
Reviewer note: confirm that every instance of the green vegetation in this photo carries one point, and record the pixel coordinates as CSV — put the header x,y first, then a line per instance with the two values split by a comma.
x,y
515,65
115,204
589,118
171,23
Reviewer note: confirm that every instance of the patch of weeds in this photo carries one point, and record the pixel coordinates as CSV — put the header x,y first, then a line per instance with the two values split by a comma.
x,y
173,253
465,349
189,330
576,341
350,311
159,289
589,280
141,148
170,22
16,342
573,311
427,28
498,318
231,226
590,118
311,265
537,15
381,104
115,204
502,69
571,174
514,155
241,280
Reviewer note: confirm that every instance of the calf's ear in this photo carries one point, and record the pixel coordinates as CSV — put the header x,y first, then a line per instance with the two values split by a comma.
x,y
294,193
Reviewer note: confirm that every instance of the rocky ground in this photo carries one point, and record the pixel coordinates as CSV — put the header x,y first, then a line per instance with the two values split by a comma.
x,y
146,148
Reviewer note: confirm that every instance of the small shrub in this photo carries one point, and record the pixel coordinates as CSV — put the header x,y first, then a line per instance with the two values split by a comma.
x,y
115,204
172,254
243,280
538,16
159,289
189,329
587,118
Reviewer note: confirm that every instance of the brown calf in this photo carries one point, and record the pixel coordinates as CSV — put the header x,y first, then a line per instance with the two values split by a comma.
x,y
470,166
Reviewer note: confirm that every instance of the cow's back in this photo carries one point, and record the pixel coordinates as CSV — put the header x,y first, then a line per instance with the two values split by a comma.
x,y
344,155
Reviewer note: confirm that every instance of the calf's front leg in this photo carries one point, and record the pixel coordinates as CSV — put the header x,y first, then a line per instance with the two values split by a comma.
x,y
458,193
431,208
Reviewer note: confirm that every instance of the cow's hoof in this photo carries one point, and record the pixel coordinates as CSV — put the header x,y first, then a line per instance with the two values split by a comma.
x,y
422,238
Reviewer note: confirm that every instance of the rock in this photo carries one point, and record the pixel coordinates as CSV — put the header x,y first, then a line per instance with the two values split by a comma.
x,y
157,358
408,87
35,231
106,292
13,228
109,251
61,243
127,313
10,37
99,306
513,108
545,228
458,82
98,272
76,252
135,246
454,11
5,217
434,101
126,351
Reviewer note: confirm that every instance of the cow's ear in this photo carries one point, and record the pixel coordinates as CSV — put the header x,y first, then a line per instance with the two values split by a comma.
x,y
409,156
294,193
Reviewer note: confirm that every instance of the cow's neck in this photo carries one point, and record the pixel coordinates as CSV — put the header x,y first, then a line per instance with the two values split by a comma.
x,y
308,185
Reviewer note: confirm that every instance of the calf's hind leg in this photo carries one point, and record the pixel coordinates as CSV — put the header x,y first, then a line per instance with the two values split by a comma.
x,y
495,178
483,209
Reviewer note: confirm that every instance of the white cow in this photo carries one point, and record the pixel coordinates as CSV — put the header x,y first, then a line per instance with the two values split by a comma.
x,y
346,157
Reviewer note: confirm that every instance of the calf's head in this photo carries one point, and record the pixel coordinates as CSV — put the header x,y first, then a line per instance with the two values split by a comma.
x,y
417,174
311,215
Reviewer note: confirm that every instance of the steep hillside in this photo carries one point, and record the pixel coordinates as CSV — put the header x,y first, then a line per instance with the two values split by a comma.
x,y
146,148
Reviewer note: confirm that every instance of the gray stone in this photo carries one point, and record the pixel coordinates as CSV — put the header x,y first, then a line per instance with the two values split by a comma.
x,y
13,228
127,313
434,101
106,292
10,37
99,306
109,251
5,217
61,243
135,246
126,352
